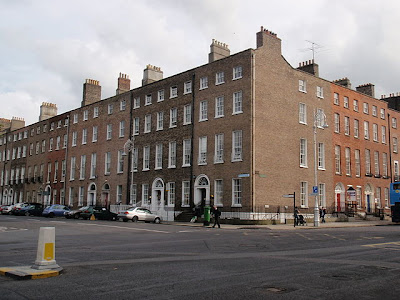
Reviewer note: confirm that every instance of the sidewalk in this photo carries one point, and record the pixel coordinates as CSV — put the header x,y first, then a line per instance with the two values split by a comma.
x,y
290,226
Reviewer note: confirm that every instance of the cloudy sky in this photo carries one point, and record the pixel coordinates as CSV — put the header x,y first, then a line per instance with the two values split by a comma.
x,y
49,47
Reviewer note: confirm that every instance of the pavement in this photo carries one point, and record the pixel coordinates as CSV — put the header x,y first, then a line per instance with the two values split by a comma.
x,y
308,226
27,272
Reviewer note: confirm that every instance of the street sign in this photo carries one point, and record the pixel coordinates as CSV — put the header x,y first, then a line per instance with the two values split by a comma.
x,y
315,189
288,196
313,194
243,175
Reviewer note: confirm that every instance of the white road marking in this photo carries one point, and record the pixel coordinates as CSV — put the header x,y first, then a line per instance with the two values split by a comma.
x,y
34,220
121,227
58,222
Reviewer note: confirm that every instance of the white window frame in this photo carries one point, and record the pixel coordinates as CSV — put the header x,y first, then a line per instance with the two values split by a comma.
x,y
147,123
185,193
173,117
202,159
219,107
303,153
219,148
172,155
219,78
159,157
187,114
237,192
173,92
302,113
237,72
203,111
237,102
302,86
187,87
203,83
237,145
122,128
160,96
109,132
186,153
160,120
146,158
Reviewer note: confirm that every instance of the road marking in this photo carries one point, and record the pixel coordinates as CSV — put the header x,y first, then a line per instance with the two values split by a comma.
x,y
306,237
58,222
34,220
389,246
372,237
334,237
121,227
186,231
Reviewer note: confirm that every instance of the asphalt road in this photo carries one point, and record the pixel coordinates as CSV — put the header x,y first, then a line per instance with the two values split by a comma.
x,y
117,260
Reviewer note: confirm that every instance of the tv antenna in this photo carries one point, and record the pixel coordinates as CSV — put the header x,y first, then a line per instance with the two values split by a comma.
x,y
314,47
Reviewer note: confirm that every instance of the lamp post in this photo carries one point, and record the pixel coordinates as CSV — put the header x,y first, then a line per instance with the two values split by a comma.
x,y
129,146
319,121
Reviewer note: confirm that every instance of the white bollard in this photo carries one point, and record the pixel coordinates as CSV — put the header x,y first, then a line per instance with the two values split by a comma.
x,y
45,258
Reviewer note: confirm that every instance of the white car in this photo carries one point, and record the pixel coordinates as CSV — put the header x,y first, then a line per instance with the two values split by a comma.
x,y
139,214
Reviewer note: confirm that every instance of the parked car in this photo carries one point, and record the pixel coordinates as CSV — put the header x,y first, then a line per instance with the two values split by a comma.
x,y
76,213
139,214
16,207
6,209
87,212
100,213
55,210
33,209
3,207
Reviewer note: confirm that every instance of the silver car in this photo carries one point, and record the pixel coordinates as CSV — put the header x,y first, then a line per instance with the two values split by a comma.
x,y
139,214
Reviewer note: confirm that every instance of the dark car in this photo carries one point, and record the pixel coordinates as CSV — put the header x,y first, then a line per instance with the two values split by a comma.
x,y
55,210
32,209
16,207
76,213
100,213
87,212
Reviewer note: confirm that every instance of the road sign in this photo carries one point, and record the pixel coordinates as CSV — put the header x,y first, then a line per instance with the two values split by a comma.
x,y
243,175
288,196
315,189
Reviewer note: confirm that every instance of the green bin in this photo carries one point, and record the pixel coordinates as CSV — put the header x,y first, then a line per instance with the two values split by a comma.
x,y
206,216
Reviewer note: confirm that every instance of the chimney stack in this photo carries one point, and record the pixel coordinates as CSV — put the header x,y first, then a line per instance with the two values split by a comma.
x,y
309,67
17,123
367,89
343,82
218,50
270,40
91,92
124,84
47,111
151,74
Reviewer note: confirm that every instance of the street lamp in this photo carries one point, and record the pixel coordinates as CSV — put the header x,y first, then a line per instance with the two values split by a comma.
x,y
129,146
319,121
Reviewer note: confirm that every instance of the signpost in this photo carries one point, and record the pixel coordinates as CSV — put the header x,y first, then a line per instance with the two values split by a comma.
x,y
294,203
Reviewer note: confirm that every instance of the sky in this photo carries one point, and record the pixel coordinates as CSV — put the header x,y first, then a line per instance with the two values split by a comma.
x,y
49,47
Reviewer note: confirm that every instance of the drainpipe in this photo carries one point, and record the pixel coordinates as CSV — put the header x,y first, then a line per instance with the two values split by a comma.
x,y
390,149
252,152
191,140
4,170
129,178
66,164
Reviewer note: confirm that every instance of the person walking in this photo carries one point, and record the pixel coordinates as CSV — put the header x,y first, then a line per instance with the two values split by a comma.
x,y
322,213
217,214
296,216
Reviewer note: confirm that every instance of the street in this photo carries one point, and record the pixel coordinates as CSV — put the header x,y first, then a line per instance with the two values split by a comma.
x,y
105,259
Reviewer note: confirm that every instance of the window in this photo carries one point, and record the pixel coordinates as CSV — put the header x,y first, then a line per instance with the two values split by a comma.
x,y
321,195
158,160
160,120
203,83
147,123
95,112
145,194
48,172
383,114
375,132
187,87
173,117
110,109
119,194
203,111
185,193
347,160
84,136
237,103
172,155
75,120
135,159
93,163
94,134
58,143
357,162
160,95
304,194
173,92
121,128
186,153
236,145
107,163
122,105
202,150
395,145
383,133
321,156
346,125
85,115
394,123
365,108
302,113
187,114
136,126
73,167
302,86
237,72
346,102
171,193
109,131
366,130
65,141
376,163
236,192
384,165
356,130
355,105
120,165
320,92
82,168
81,196
147,100
374,111
146,158
218,192
303,153
219,78
219,107
74,138
386,197
367,162
136,102
337,160
219,148
337,123
133,194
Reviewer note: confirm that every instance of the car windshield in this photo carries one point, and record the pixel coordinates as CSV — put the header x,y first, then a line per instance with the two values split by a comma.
x,y
84,208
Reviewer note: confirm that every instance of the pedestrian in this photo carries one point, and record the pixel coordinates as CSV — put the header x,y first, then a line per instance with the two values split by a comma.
x,y
217,214
296,216
322,213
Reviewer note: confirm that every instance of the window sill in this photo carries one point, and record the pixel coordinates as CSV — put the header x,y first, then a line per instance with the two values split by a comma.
x,y
219,83
236,160
203,120
218,117
237,113
218,162
203,88
237,78
236,205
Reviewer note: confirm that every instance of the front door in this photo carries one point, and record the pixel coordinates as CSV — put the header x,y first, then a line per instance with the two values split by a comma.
x,y
338,202
368,203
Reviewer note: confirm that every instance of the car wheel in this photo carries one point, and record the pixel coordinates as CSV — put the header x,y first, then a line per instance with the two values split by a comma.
x,y
135,219
27,214
114,218
125,220
51,215
157,220
76,216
